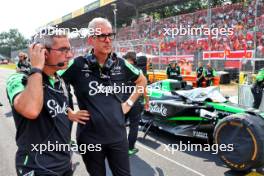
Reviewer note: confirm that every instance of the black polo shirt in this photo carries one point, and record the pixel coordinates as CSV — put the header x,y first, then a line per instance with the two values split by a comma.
x,y
24,66
92,87
199,71
51,125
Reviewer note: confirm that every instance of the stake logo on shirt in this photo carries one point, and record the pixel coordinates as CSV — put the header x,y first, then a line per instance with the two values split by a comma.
x,y
55,108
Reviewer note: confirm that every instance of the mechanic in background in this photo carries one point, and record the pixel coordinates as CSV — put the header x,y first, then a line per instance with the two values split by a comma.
x,y
23,64
209,75
174,71
257,88
135,112
200,74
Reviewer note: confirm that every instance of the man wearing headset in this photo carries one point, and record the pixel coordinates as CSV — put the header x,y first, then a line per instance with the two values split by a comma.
x,y
96,79
40,104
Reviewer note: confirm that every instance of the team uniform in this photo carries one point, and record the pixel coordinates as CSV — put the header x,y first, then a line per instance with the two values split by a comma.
x,y
51,126
209,73
200,78
257,89
93,89
174,73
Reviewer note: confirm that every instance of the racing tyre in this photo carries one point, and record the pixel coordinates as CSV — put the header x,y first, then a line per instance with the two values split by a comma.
x,y
242,139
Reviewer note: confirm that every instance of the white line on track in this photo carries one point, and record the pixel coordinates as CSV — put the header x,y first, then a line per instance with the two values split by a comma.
x,y
175,162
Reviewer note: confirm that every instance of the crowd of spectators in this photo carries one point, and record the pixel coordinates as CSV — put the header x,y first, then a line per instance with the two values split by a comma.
x,y
240,17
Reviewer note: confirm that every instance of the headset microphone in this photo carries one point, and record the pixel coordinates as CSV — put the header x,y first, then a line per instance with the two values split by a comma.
x,y
60,64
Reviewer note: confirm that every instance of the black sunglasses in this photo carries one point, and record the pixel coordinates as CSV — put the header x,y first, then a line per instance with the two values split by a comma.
x,y
102,37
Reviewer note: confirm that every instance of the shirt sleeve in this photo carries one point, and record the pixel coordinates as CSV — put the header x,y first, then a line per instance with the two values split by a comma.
x,y
15,84
68,73
260,75
132,73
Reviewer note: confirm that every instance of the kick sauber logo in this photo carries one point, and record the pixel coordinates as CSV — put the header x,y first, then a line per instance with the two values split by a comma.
x,y
160,109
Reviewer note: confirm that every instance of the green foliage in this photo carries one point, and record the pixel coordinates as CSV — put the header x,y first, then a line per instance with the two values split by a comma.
x,y
11,41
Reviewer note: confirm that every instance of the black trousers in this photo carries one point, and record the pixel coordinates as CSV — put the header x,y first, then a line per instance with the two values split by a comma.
x,y
134,117
257,94
200,82
115,153
209,82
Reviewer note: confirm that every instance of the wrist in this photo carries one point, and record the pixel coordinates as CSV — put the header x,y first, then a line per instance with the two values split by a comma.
x,y
129,102
35,70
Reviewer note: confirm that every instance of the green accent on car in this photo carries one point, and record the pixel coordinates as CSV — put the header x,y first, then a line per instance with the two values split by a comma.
x,y
155,93
166,86
14,85
132,68
61,72
186,118
225,107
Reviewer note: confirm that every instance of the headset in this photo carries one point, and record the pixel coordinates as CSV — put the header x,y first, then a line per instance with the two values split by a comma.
x,y
93,63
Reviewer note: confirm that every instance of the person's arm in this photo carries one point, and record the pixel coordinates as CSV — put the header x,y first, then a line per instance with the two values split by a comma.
x,y
29,102
79,116
139,79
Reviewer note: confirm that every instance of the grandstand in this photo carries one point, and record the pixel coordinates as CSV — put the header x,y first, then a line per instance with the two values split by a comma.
x,y
243,50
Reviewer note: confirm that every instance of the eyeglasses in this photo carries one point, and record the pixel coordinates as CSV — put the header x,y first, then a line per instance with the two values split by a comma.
x,y
64,50
102,37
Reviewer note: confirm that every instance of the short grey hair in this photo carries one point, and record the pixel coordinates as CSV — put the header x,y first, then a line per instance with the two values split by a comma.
x,y
98,21
46,35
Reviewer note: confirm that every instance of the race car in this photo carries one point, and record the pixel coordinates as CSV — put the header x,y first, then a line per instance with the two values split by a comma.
x,y
205,113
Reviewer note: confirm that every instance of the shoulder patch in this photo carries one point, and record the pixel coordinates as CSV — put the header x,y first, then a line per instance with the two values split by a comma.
x,y
132,68
15,84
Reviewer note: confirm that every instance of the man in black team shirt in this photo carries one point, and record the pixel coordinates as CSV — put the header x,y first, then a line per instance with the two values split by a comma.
x,y
134,114
23,64
96,79
39,102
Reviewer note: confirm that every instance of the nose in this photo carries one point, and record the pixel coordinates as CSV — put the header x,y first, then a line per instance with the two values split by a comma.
x,y
70,54
108,40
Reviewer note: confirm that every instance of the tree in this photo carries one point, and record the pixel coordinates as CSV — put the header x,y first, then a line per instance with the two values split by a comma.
x,y
11,41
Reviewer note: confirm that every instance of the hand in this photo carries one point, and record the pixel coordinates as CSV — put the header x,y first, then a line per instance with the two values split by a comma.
x,y
125,107
78,116
37,55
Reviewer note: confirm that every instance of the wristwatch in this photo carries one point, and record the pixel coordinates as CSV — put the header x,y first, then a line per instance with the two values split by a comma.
x,y
34,70
130,102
